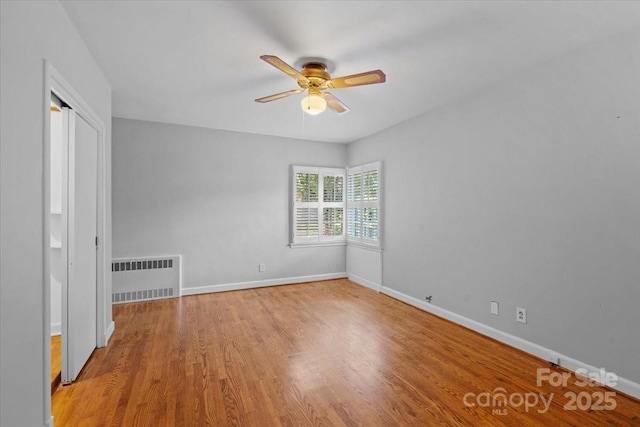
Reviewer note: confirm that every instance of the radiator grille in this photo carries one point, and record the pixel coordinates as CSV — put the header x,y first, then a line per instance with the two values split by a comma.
x,y
141,265
147,294
145,278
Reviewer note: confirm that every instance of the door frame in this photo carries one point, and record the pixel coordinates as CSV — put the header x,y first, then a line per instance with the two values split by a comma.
x,y
55,83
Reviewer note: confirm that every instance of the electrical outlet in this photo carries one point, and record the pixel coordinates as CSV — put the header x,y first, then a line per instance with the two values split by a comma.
x,y
262,268
521,315
494,307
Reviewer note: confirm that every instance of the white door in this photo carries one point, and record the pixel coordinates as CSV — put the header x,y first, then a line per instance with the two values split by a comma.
x,y
79,331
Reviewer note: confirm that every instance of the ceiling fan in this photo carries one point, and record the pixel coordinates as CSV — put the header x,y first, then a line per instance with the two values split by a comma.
x,y
315,79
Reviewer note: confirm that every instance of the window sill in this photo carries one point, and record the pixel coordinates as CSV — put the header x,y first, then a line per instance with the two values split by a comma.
x,y
316,244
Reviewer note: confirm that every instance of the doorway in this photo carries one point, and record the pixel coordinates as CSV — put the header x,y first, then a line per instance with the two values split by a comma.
x,y
56,84
73,236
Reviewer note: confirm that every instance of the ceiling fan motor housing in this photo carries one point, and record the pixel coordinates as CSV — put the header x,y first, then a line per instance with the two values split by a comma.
x,y
317,76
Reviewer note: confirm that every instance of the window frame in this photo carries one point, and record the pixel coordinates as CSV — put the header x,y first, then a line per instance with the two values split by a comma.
x,y
361,205
320,205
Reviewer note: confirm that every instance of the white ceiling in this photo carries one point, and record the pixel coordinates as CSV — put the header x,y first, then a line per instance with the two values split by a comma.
x,y
197,62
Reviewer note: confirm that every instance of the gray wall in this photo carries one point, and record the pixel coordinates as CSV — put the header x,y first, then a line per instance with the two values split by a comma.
x,y
219,198
31,32
527,193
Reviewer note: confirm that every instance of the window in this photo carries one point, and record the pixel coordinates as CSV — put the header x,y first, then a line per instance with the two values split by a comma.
x,y
321,215
318,205
363,204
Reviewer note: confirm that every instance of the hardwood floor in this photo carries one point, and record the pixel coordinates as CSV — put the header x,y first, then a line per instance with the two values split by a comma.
x,y
317,354
56,362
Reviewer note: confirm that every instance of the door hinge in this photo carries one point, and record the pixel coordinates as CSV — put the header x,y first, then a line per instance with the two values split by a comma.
x,y
96,241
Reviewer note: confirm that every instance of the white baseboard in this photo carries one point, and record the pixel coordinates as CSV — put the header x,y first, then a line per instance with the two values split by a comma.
x,y
56,329
365,282
49,422
259,284
623,385
107,334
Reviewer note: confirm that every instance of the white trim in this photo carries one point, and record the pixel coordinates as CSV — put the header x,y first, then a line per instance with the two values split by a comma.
x,y
46,261
367,166
49,423
319,205
56,329
260,283
63,90
364,282
108,332
317,245
362,204
623,385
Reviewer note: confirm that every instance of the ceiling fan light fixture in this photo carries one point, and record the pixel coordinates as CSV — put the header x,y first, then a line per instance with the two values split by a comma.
x,y
313,104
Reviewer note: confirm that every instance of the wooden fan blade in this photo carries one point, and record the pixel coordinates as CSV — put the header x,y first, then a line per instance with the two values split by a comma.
x,y
283,66
366,78
334,103
279,95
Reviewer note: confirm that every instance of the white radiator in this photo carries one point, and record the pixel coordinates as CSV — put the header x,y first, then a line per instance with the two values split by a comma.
x,y
145,278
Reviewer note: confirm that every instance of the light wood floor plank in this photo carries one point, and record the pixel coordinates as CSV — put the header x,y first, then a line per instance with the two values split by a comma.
x,y
56,361
326,353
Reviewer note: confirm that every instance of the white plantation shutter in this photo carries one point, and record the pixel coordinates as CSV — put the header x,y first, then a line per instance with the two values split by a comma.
x,y
307,222
318,205
306,204
354,199
363,204
332,204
